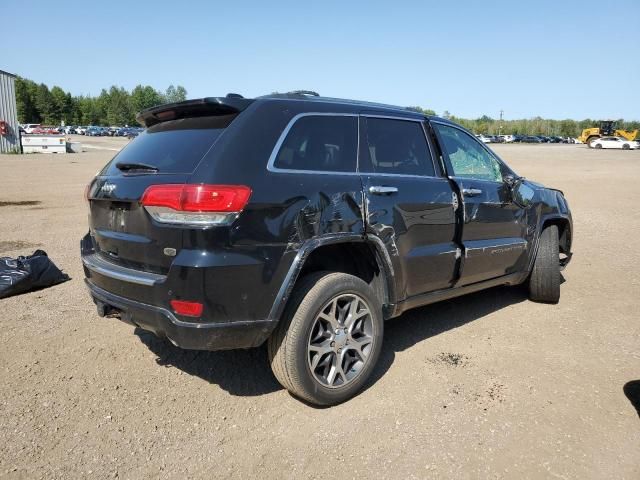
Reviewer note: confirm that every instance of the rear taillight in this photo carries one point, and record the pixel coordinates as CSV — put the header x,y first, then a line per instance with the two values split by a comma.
x,y
187,309
196,205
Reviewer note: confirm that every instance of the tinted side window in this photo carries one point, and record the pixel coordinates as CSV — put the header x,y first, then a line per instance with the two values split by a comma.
x,y
322,143
467,156
398,147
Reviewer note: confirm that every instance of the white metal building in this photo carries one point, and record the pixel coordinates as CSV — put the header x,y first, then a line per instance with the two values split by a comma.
x,y
9,132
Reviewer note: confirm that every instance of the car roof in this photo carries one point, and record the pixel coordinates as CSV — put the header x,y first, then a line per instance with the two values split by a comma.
x,y
234,103
297,97
391,109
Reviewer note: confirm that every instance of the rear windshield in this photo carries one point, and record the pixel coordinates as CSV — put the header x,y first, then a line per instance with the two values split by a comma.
x,y
176,146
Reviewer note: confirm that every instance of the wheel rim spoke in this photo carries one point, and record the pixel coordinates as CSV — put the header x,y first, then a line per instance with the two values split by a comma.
x,y
340,340
357,310
328,314
360,344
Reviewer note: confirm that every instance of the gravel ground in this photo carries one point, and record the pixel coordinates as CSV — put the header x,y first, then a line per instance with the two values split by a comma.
x,y
485,386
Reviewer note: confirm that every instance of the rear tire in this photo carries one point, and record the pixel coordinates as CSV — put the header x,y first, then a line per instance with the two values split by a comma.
x,y
598,146
544,281
325,348
626,146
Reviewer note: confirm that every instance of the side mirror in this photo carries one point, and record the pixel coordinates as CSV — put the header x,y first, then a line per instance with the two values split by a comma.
x,y
521,193
510,180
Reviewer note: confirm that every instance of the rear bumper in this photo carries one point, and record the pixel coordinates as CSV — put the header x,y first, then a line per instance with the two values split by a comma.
x,y
188,335
235,286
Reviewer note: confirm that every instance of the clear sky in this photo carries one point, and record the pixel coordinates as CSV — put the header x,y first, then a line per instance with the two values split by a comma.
x,y
555,59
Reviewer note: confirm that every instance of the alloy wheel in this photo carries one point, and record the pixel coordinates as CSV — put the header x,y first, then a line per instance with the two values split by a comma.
x,y
340,340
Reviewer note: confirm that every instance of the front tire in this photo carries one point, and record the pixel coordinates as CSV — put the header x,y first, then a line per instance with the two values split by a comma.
x,y
626,146
598,145
327,344
544,281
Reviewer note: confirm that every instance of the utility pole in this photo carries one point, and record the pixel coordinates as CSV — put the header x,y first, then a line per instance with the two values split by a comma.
x,y
500,126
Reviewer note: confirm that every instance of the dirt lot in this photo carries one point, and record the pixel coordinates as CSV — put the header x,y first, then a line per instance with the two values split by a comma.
x,y
485,386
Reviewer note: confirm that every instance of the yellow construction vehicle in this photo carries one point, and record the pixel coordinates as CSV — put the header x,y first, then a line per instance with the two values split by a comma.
x,y
607,129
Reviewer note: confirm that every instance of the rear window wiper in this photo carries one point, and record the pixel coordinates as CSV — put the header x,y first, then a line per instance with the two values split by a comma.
x,y
128,167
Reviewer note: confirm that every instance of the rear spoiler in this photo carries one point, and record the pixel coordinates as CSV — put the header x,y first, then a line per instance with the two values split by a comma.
x,y
193,108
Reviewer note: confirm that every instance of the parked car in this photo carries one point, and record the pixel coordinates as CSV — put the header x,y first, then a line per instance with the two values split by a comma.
x,y
45,130
484,138
29,127
508,138
615,142
93,132
133,132
70,129
80,130
127,132
531,139
277,226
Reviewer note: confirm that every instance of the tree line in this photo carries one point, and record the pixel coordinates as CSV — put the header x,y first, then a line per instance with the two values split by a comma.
x,y
530,126
117,106
36,103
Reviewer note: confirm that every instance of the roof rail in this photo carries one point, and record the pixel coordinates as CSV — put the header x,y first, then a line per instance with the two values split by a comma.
x,y
304,92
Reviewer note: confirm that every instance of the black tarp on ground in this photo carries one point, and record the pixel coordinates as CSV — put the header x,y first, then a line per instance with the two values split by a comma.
x,y
22,274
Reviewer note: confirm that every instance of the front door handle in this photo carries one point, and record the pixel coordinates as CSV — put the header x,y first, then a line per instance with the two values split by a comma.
x,y
471,192
380,190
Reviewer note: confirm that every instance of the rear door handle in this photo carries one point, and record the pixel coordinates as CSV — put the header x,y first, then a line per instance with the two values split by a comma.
x,y
380,190
471,192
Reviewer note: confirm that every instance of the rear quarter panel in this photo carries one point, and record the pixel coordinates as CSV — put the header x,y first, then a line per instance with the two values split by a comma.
x,y
285,209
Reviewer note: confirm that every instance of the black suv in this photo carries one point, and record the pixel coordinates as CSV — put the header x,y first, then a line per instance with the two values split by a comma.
x,y
306,222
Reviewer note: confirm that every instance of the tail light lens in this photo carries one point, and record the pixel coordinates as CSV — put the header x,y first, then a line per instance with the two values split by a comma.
x,y
187,309
196,205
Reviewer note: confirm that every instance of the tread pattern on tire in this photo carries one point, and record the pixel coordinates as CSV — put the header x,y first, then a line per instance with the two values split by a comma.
x,y
544,282
277,346
280,346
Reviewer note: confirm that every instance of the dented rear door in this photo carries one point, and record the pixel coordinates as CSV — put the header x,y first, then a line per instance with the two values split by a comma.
x,y
408,205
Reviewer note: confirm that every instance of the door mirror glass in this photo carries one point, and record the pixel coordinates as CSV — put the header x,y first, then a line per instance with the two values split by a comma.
x,y
522,194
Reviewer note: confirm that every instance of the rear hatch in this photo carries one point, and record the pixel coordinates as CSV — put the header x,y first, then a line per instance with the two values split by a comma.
x,y
123,230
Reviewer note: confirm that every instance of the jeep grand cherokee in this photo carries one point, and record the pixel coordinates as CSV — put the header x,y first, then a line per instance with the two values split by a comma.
x,y
306,222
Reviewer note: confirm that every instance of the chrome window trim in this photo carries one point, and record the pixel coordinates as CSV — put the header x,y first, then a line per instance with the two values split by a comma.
x,y
276,149
392,117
